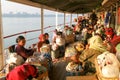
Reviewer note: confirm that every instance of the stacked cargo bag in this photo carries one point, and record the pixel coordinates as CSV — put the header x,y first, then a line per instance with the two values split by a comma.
x,y
107,66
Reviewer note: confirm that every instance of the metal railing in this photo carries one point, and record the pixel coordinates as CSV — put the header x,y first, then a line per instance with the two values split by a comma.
x,y
30,31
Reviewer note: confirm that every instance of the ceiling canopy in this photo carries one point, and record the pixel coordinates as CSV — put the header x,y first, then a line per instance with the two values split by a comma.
x,y
70,6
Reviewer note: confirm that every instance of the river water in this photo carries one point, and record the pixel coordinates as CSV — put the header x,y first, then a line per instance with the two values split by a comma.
x,y
13,25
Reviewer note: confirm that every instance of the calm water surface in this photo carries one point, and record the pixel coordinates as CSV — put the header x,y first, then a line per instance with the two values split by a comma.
x,y
13,25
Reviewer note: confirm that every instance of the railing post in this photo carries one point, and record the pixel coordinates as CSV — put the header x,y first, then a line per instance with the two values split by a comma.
x,y
64,18
1,40
42,20
77,15
71,20
56,19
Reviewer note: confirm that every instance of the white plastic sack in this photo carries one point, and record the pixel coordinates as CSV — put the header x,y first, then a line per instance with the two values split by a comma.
x,y
15,58
109,64
107,58
110,71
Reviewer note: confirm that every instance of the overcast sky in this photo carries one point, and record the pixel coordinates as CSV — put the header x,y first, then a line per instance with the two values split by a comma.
x,y
8,6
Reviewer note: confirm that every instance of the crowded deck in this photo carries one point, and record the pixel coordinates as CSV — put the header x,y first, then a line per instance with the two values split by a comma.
x,y
86,50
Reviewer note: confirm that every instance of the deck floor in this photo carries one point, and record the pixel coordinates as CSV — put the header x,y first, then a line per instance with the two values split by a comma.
x,y
59,73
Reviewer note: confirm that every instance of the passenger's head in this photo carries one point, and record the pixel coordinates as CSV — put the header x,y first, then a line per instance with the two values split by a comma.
x,y
90,30
59,34
21,40
46,35
109,32
66,27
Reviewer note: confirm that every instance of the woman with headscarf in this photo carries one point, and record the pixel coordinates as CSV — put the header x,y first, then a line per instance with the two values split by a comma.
x,y
23,72
41,41
112,38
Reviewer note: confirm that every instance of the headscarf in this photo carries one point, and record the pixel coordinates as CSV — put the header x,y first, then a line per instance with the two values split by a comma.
x,y
97,43
109,31
41,37
79,46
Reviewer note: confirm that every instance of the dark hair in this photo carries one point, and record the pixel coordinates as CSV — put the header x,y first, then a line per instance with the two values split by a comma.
x,y
46,34
59,33
19,38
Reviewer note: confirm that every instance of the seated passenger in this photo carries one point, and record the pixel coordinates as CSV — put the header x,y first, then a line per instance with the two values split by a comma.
x,y
47,38
21,50
41,41
58,46
22,72
54,35
87,35
112,38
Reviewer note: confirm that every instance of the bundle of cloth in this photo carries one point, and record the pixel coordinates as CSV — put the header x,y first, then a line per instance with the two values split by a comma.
x,y
42,58
109,64
88,55
72,53
13,61
15,58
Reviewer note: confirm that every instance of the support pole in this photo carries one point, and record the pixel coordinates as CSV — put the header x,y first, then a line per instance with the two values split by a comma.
x,y
71,20
64,19
116,17
42,20
1,40
56,19
77,15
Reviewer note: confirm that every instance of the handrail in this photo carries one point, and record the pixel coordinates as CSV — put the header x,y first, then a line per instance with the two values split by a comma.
x,y
21,33
31,31
38,37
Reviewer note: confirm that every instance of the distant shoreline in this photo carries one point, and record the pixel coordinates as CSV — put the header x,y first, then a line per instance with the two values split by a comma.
x,y
14,15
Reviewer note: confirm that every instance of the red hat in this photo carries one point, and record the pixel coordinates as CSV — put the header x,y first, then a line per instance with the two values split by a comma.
x,y
109,31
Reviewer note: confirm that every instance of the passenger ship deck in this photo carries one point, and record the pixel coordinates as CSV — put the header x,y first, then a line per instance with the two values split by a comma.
x,y
72,7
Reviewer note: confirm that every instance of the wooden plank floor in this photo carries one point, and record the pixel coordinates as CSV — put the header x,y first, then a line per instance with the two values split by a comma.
x,y
82,77
59,71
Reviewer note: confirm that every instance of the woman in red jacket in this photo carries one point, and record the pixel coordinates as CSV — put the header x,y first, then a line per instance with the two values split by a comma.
x,y
22,72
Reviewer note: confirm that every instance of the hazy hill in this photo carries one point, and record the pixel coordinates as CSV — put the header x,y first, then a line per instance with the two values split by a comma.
x,y
24,14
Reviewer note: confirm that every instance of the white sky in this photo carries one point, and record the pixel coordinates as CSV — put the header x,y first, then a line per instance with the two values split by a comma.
x,y
8,6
